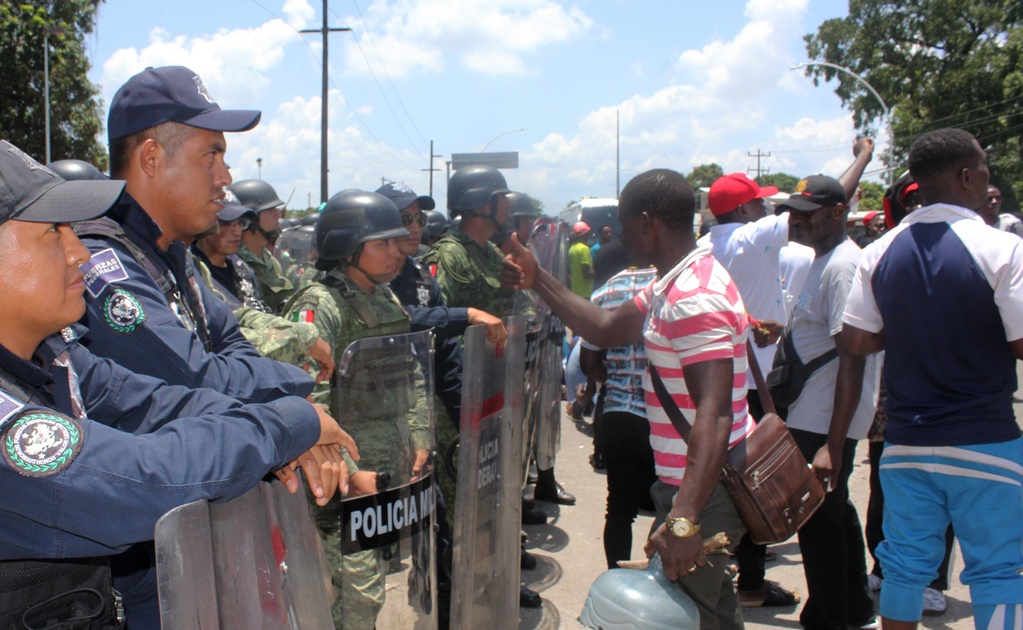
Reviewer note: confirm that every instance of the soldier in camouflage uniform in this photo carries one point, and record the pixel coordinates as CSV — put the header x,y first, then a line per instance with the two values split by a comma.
x,y
355,242
272,335
257,240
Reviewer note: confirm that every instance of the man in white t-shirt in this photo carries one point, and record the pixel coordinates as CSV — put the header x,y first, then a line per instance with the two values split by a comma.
x,y
694,327
833,411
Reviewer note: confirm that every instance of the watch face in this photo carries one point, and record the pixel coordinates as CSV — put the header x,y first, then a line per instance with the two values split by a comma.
x,y
681,528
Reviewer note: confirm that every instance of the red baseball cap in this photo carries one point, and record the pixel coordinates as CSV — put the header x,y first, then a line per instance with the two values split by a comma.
x,y
732,190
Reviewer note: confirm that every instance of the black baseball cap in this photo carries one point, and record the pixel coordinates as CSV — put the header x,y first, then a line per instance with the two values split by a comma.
x,y
233,208
814,192
32,192
403,196
171,94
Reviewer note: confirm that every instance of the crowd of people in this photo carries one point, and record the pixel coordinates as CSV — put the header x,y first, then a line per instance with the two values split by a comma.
x,y
155,351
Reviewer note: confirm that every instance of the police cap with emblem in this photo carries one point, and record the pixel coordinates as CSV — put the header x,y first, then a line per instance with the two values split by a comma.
x,y
171,94
32,192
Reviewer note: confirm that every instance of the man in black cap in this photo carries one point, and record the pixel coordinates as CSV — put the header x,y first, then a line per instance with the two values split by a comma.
x,y
833,411
66,466
145,307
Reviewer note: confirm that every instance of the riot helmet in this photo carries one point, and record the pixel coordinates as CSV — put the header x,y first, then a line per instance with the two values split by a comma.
x,y
474,187
350,219
522,206
260,196
76,170
436,224
311,219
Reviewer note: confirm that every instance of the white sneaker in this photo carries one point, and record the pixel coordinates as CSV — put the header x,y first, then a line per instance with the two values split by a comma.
x,y
934,602
874,582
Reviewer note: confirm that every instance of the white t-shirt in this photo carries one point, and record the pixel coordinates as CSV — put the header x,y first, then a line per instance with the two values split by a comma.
x,y
750,253
815,321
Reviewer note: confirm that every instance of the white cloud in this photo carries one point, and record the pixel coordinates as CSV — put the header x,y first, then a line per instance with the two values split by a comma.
x,y
299,13
232,63
489,36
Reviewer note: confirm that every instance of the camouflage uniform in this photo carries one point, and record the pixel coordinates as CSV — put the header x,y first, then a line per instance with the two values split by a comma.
x,y
271,335
377,413
274,288
469,274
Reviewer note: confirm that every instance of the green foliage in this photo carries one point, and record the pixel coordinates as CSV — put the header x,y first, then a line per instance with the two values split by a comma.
x,y
939,63
871,196
704,175
74,107
784,181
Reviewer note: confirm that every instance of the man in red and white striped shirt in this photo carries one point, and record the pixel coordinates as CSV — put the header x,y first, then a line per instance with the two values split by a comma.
x,y
693,325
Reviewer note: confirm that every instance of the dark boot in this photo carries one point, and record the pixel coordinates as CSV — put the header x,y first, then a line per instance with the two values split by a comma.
x,y
549,490
529,598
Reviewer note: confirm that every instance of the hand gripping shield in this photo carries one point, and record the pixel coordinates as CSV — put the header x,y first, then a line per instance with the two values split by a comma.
x,y
485,585
253,562
545,334
387,576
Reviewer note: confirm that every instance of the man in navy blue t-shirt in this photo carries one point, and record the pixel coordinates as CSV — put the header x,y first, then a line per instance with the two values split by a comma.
x,y
942,295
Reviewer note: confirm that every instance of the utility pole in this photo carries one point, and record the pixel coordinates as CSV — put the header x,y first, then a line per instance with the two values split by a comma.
x,y
324,31
760,171
618,157
431,169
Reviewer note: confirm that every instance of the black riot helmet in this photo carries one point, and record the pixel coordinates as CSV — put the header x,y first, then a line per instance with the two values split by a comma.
x,y
256,194
350,219
76,170
522,206
311,219
436,224
473,187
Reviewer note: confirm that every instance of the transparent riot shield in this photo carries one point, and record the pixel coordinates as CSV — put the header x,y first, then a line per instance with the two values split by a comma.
x,y
485,584
254,562
384,563
545,335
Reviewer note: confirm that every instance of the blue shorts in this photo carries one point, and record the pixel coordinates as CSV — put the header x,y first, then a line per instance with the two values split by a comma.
x,y
979,489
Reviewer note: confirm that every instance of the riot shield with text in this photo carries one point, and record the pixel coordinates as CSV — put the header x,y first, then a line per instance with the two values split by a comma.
x,y
253,562
485,582
384,555
545,335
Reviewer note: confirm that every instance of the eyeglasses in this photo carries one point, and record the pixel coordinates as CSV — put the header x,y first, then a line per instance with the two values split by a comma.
x,y
994,199
408,218
242,222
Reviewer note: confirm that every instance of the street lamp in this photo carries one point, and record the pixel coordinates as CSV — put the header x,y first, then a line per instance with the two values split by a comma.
x,y
46,81
870,88
503,133
259,165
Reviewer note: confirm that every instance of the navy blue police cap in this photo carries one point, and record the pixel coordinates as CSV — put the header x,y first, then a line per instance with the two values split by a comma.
x,y
32,192
171,94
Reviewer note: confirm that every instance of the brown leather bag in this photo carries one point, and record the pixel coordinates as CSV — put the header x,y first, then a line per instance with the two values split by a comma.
x,y
773,488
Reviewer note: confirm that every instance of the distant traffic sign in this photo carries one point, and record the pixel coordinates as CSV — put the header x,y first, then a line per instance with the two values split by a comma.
x,y
499,159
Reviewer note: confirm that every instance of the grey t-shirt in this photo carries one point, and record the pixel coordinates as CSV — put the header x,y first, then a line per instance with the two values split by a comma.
x,y
815,321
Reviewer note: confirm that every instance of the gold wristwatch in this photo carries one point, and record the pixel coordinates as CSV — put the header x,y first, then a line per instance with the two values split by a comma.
x,y
681,527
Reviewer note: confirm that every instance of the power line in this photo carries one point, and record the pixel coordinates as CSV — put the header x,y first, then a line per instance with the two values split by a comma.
x,y
760,171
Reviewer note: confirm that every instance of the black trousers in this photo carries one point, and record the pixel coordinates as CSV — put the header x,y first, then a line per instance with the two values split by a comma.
x,y
749,556
624,440
834,555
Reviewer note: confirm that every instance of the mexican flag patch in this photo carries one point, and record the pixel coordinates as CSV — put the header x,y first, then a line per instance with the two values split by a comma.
x,y
304,316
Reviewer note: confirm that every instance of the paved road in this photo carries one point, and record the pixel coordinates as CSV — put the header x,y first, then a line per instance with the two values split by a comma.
x,y
570,551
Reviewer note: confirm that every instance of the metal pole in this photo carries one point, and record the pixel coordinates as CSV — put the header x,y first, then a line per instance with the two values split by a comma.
x,y
887,112
499,135
618,157
46,88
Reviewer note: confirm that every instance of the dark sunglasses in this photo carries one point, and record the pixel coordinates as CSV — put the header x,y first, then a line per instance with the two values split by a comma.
x,y
419,217
243,223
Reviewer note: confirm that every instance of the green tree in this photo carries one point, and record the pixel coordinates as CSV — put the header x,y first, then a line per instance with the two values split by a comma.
x,y
75,110
784,181
871,196
704,175
939,63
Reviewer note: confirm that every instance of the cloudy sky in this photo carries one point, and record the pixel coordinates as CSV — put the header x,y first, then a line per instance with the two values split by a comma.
x,y
690,82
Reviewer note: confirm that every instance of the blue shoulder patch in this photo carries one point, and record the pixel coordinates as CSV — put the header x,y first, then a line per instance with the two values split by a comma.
x,y
102,269
8,407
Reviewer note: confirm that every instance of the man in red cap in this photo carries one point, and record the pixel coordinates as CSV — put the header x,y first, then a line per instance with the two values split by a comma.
x,y
747,242
580,263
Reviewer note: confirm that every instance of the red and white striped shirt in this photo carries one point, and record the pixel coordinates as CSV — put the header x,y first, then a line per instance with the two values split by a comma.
x,y
693,314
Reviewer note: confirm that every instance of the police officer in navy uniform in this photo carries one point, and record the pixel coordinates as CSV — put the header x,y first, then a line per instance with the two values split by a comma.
x,y
146,308
66,467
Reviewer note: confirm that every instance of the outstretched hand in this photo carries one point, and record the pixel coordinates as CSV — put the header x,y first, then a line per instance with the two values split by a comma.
x,y
519,270
861,145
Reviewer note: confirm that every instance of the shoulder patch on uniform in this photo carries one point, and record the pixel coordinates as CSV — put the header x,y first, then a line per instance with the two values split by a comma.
x,y
102,269
122,311
433,270
40,443
8,407
307,316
